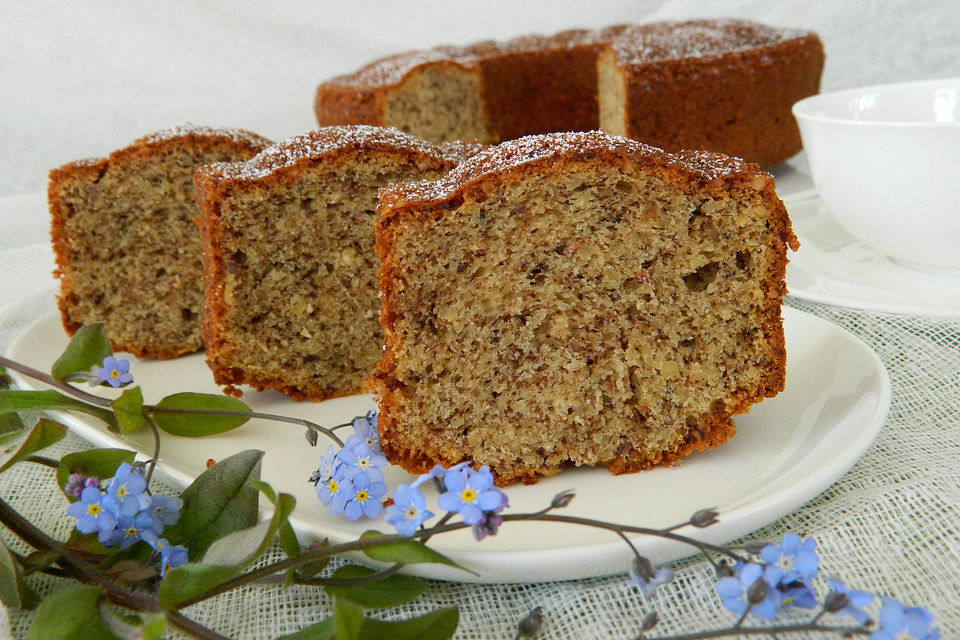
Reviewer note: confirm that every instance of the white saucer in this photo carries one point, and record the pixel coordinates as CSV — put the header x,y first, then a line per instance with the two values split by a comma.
x,y
788,450
834,267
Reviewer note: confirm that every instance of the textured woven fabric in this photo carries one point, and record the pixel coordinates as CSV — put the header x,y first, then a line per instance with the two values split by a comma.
x,y
81,79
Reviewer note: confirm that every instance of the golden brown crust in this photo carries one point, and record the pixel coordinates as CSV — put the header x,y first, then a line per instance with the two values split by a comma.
x,y
282,164
706,173
721,85
191,137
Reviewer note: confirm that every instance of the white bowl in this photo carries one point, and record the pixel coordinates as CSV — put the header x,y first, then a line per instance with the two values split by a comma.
x,y
886,162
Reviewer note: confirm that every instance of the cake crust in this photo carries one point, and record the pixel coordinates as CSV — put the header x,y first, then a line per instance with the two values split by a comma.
x,y
85,176
705,174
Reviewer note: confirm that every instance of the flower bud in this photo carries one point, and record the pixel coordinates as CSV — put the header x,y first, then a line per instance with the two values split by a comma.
x,y
562,499
650,621
757,592
312,436
92,481
724,570
704,518
835,601
643,568
754,548
531,623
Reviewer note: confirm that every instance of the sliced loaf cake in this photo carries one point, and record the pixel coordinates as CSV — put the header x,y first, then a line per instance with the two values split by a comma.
x,y
127,250
577,299
289,260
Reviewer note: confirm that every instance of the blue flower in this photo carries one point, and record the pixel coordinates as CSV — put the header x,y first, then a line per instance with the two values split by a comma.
x,y
358,496
365,431
359,458
164,511
855,601
171,556
115,372
438,472
799,551
329,490
894,617
797,557
753,588
470,493
408,511
645,578
328,467
130,530
125,492
91,514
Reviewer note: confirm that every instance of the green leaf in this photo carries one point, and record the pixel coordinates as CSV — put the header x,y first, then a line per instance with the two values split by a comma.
x,y
10,423
385,592
44,433
407,551
129,410
310,569
153,627
38,560
70,614
191,580
14,592
288,538
220,501
347,620
322,630
350,625
100,463
243,547
88,347
18,401
191,424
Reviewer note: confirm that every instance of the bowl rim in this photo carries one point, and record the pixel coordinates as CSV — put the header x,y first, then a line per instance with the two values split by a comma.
x,y
802,108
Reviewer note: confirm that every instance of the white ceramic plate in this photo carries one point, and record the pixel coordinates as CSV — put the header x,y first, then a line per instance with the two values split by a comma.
x,y
788,449
834,267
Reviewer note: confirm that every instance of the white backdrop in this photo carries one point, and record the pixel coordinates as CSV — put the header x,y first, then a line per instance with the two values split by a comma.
x,y
79,79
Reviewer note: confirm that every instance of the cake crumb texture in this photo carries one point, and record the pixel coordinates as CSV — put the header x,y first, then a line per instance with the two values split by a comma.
x,y
290,267
127,250
577,300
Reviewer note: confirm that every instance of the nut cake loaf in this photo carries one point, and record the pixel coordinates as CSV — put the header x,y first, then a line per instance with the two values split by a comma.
x,y
577,299
289,259
127,250
718,85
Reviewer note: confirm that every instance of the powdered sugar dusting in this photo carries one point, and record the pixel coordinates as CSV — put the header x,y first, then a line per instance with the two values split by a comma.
x,y
704,165
695,39
633,44
325,141
190,130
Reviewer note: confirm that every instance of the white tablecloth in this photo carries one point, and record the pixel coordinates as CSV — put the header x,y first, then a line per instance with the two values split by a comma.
x,y
81,79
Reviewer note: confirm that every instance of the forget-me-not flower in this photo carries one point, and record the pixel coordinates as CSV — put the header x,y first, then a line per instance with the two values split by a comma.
x,y
91,514
744,590
126,491
115,372
408,511
470,493
358,496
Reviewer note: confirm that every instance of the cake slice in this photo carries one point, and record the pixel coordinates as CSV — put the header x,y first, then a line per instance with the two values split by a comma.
x,y
127,250
577,299
289,260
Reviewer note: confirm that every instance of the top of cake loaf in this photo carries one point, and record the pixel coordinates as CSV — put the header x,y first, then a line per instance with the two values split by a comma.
x,y
703,166
328,141
633,44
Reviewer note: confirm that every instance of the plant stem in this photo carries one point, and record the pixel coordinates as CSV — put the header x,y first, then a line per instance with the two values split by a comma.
x,y
42,460
247,414
756,631
156,448
88,574
47,379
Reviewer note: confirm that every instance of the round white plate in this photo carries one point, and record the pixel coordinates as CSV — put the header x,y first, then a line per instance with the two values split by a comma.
x,y
834,267
788,449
